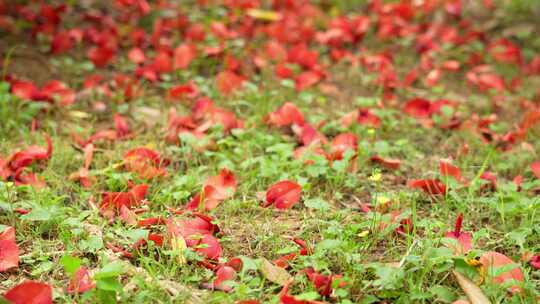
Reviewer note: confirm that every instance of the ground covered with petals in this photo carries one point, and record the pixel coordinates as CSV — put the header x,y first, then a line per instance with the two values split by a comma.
x,y
249,151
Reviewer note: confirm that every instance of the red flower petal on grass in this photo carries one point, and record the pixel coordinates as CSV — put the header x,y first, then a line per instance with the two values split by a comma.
x,y
228,81
121,125
81,281
429,186
323,283
5,171
447,169
112,202
145,162
100,56
30,292
224,274
535,261
418,108
136,55
388,163
26,157
215,190
463,238
286,115
307,79
9,255
24,89
8,234
366,117
184,54
342,143
491,261
286,298
535,167
283,195
189,90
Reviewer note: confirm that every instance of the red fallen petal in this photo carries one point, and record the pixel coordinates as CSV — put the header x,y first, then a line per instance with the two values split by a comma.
x,y
283,261
388,163
308,135
429,186
104,134
8,234
57,90
121,125
209,247
366,117
162,62
117,249
433,77
145,162
323,283
115,200
463,238
139,192
535,167
100,56
286,115
235,263
28,178
451,65
491,261
224,184
419,108
24,158
490,177
286,298
151,221
9,255
491,81
447,169
81,281
208,199
535,261
342,143
24,89
30,292
136,55
283,195
184,54
228,81
189,90
224,274
307,79
61,42
283,71
5,171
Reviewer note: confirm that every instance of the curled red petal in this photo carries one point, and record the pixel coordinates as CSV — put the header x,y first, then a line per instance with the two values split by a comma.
x,y
81,281
283,195
429,186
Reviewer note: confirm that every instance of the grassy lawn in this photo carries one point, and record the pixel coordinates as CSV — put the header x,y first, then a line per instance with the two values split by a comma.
x,y
270,152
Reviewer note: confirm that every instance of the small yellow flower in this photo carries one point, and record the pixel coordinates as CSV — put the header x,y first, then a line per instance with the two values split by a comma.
x,y
363,233
375,177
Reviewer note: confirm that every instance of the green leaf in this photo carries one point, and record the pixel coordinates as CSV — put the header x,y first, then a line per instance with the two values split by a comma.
x,y
110,270
109,284
443,294
71,264
317,204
